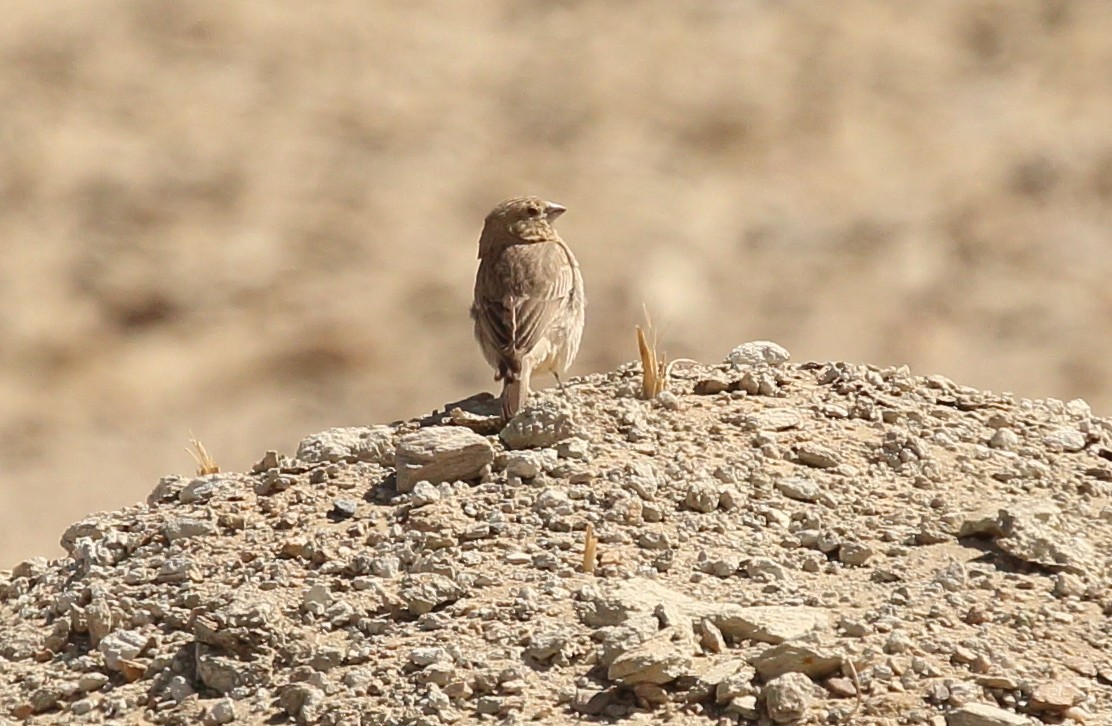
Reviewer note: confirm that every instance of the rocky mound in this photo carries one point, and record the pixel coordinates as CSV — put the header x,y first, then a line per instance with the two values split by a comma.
x,y
763,542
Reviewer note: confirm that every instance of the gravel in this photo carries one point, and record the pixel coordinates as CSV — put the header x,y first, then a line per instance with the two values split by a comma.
x,y
803,543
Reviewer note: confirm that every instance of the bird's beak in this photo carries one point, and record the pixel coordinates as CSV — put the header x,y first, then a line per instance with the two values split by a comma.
x,y
553,210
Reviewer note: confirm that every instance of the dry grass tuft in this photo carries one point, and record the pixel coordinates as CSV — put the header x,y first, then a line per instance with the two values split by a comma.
x,y
590,549
205,463
654,370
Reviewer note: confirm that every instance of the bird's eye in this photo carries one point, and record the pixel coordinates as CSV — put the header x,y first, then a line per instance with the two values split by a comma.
x,y
534,210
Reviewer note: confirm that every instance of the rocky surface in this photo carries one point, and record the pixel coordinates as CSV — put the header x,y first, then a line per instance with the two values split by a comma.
x,y
815,544
219,217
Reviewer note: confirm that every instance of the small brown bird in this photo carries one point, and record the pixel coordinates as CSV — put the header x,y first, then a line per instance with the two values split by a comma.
x,y
528,308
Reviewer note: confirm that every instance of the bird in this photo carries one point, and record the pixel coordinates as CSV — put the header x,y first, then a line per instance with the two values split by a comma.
x,y
529,301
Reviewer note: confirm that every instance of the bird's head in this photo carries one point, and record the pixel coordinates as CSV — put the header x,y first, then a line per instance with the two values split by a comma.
x,y
529,219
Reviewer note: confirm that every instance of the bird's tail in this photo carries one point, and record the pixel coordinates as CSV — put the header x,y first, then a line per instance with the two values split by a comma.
x,y
515,391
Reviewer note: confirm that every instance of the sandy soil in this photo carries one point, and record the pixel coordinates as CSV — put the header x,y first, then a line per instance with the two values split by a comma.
x,y
770,543
253,222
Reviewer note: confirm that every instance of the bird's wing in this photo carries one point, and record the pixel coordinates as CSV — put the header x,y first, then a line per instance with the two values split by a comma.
x,y
536,311
516,323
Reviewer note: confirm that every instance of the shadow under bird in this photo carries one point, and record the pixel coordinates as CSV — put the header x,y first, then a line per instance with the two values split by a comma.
x,y
529,302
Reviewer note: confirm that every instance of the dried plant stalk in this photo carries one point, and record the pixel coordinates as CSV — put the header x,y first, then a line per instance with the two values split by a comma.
x,y
590,549
205,463
654,369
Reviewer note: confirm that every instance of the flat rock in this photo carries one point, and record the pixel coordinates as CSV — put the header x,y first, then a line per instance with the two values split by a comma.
x,y
811,660
816,456
799,488
615,603
186,527
1043,543
441,453
768,623
1064,440
775,419
1055,697
656,661
982,714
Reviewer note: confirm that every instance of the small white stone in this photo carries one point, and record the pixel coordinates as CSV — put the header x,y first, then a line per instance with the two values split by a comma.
x,y
756,352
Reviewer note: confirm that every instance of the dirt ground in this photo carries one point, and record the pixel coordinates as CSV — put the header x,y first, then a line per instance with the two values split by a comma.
x,y
255,221
763,543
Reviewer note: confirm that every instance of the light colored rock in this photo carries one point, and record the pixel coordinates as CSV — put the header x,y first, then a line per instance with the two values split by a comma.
x,y
1005,439
616,640
657,661
811,660
302,701
83,706
766,569
799,488
316,599
167,490
982,714
731,679
757,352
178,688
221,712
1064,440
712,383
997,682
774,419
702,496
1043,542
530,463
422,657
204,488
91,681
122,645
425,493
539,426
788,697
1033,531
854,553
768,623
545,646
744,706
186,527
440,453
424,591
616,603
816,456
98,619
374,444
982,522
710,637
1055,697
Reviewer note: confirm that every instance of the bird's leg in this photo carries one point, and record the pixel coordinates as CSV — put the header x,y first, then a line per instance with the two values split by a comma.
x,y
559,384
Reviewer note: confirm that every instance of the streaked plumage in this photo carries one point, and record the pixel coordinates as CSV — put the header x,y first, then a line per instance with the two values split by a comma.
x,y
528,308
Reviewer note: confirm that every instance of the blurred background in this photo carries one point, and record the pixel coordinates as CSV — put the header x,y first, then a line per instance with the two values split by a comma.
x,y
254,221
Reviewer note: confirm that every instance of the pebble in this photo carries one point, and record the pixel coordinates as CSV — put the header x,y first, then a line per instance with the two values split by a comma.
x,y
702,497
344,508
